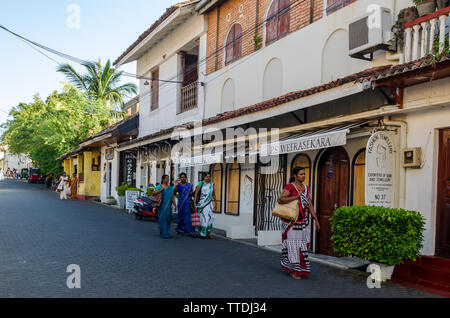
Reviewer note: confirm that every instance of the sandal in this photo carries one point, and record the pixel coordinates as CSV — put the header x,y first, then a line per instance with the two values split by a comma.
x,y
297,277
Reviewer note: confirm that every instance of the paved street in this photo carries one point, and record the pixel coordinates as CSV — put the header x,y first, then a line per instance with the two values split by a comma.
x,y
122,257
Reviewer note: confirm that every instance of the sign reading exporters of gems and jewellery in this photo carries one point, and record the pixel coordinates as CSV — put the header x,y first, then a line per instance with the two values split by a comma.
x,y
380,170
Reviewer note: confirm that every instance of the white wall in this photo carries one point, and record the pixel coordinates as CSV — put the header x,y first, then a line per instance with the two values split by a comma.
x,y
301,53
114,174
165,56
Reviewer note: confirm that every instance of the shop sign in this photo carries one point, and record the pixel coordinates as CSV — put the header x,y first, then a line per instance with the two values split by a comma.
x,y
314,142
380,170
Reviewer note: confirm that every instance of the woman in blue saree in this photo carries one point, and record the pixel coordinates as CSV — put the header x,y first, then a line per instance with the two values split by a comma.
x,y
165,209
184,221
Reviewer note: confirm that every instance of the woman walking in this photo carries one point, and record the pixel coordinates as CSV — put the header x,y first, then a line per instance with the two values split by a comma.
x,y
205,193
73,187
63,186
184,222
296,235
165,209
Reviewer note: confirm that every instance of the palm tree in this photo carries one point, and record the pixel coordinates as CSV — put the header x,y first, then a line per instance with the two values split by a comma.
x,y
100,82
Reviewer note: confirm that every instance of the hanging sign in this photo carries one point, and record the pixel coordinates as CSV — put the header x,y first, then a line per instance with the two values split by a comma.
x,y
380,170
313,142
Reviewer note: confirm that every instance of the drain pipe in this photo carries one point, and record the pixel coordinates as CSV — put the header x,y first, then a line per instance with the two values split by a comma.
x,y
403,144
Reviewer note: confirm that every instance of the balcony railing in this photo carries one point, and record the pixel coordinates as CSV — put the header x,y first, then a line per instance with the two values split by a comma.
x,y
421,35
189,95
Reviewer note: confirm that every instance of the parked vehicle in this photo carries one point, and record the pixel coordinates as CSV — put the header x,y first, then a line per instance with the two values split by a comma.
x,y
24,173
35,176
144,207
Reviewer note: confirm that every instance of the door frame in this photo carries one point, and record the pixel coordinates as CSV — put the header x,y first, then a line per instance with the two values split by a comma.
x,y
316,191
438,195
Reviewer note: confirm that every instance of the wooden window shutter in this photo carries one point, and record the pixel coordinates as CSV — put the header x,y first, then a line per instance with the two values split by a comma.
x,y
333,5
237,47
229,46
155,89
284,17
272,22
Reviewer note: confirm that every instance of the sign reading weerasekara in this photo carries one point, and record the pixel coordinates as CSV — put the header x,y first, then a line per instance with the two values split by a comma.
x,y
380,170
306,143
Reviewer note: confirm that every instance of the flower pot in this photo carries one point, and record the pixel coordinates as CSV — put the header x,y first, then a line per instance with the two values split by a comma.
x,y
408,14
382,272
122,202
441,4
111,201
425,8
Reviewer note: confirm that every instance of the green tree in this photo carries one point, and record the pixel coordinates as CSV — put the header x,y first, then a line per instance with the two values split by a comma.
x,y
100,82
47,129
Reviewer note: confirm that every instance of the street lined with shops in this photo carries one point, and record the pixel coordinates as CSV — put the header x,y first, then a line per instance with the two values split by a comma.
x,y
40,236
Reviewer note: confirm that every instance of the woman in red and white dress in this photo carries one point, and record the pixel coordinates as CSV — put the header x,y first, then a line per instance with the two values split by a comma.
x,y
296,235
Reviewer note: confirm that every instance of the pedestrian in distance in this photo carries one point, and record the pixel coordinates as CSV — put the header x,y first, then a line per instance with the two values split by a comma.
x,y
204,194
185,193
296,235
165,209
63,186
73,187
49,181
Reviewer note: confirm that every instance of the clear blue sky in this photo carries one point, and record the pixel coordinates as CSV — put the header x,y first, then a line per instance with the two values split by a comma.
x,y
107,28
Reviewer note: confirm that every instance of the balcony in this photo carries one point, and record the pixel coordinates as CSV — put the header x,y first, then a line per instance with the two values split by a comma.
x,y
189,95
426,35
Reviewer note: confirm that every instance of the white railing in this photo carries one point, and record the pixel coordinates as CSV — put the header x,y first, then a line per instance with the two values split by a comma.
x,y
189,97
421,33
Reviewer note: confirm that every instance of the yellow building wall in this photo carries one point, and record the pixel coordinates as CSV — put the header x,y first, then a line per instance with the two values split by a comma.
x,y
66,165
91,178
80,159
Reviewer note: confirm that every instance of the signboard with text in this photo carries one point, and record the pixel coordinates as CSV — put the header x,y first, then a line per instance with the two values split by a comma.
x,y
380,162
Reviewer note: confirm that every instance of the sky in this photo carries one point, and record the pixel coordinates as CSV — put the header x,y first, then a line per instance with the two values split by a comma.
x,y
103,29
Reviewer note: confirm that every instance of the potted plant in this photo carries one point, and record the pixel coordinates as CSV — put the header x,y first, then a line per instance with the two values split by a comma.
x,y
121,193
441,4
257,41
110,200
425,7
383,236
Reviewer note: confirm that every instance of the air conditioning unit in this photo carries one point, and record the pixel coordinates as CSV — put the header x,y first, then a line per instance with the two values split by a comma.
x,y
371,32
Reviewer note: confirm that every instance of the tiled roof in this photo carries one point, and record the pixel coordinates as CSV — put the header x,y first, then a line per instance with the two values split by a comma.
x,y
406,67
158,22
372,74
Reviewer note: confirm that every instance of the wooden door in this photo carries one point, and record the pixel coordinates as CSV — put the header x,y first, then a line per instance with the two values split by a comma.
x,y
443,199
333,193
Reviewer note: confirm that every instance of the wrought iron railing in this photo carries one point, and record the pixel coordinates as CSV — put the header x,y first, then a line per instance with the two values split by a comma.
x,y
189,97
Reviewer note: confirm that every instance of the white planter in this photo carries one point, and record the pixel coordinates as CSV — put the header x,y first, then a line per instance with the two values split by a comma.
x,y
380,272
122,202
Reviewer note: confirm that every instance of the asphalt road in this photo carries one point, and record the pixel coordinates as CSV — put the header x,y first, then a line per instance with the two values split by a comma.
x,y
118,256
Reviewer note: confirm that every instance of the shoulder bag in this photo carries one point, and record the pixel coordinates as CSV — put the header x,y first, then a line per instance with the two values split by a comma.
x,y
288,211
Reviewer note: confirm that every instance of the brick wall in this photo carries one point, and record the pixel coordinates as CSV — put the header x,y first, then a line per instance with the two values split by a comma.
x,y
251,15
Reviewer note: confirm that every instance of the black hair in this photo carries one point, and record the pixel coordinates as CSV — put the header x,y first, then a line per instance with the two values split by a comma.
x,y
163,177
295,171
183,174
204,174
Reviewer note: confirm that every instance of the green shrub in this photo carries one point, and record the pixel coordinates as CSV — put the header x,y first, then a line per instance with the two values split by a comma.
x,y
377,234
122,188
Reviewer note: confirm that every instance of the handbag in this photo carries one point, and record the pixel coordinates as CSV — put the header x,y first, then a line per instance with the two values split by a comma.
x,y
156,198
195,219
288,211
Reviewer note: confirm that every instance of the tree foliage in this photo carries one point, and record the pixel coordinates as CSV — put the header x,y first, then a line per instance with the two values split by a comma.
x,y
100,82
47,129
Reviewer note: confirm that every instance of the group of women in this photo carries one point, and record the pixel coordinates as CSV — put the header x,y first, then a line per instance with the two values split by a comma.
x,y
295,235
190,200
67,187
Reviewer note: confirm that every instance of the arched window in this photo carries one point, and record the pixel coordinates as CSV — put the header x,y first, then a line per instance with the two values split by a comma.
x,y
233,188
359,178
303,161
233,45
216,178
278,20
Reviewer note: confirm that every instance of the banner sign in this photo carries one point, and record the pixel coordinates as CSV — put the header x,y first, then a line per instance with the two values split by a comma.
x,y
380,170
200,160
313,142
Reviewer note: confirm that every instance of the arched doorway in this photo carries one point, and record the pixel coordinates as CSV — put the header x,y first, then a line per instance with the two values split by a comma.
x,y
332,193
